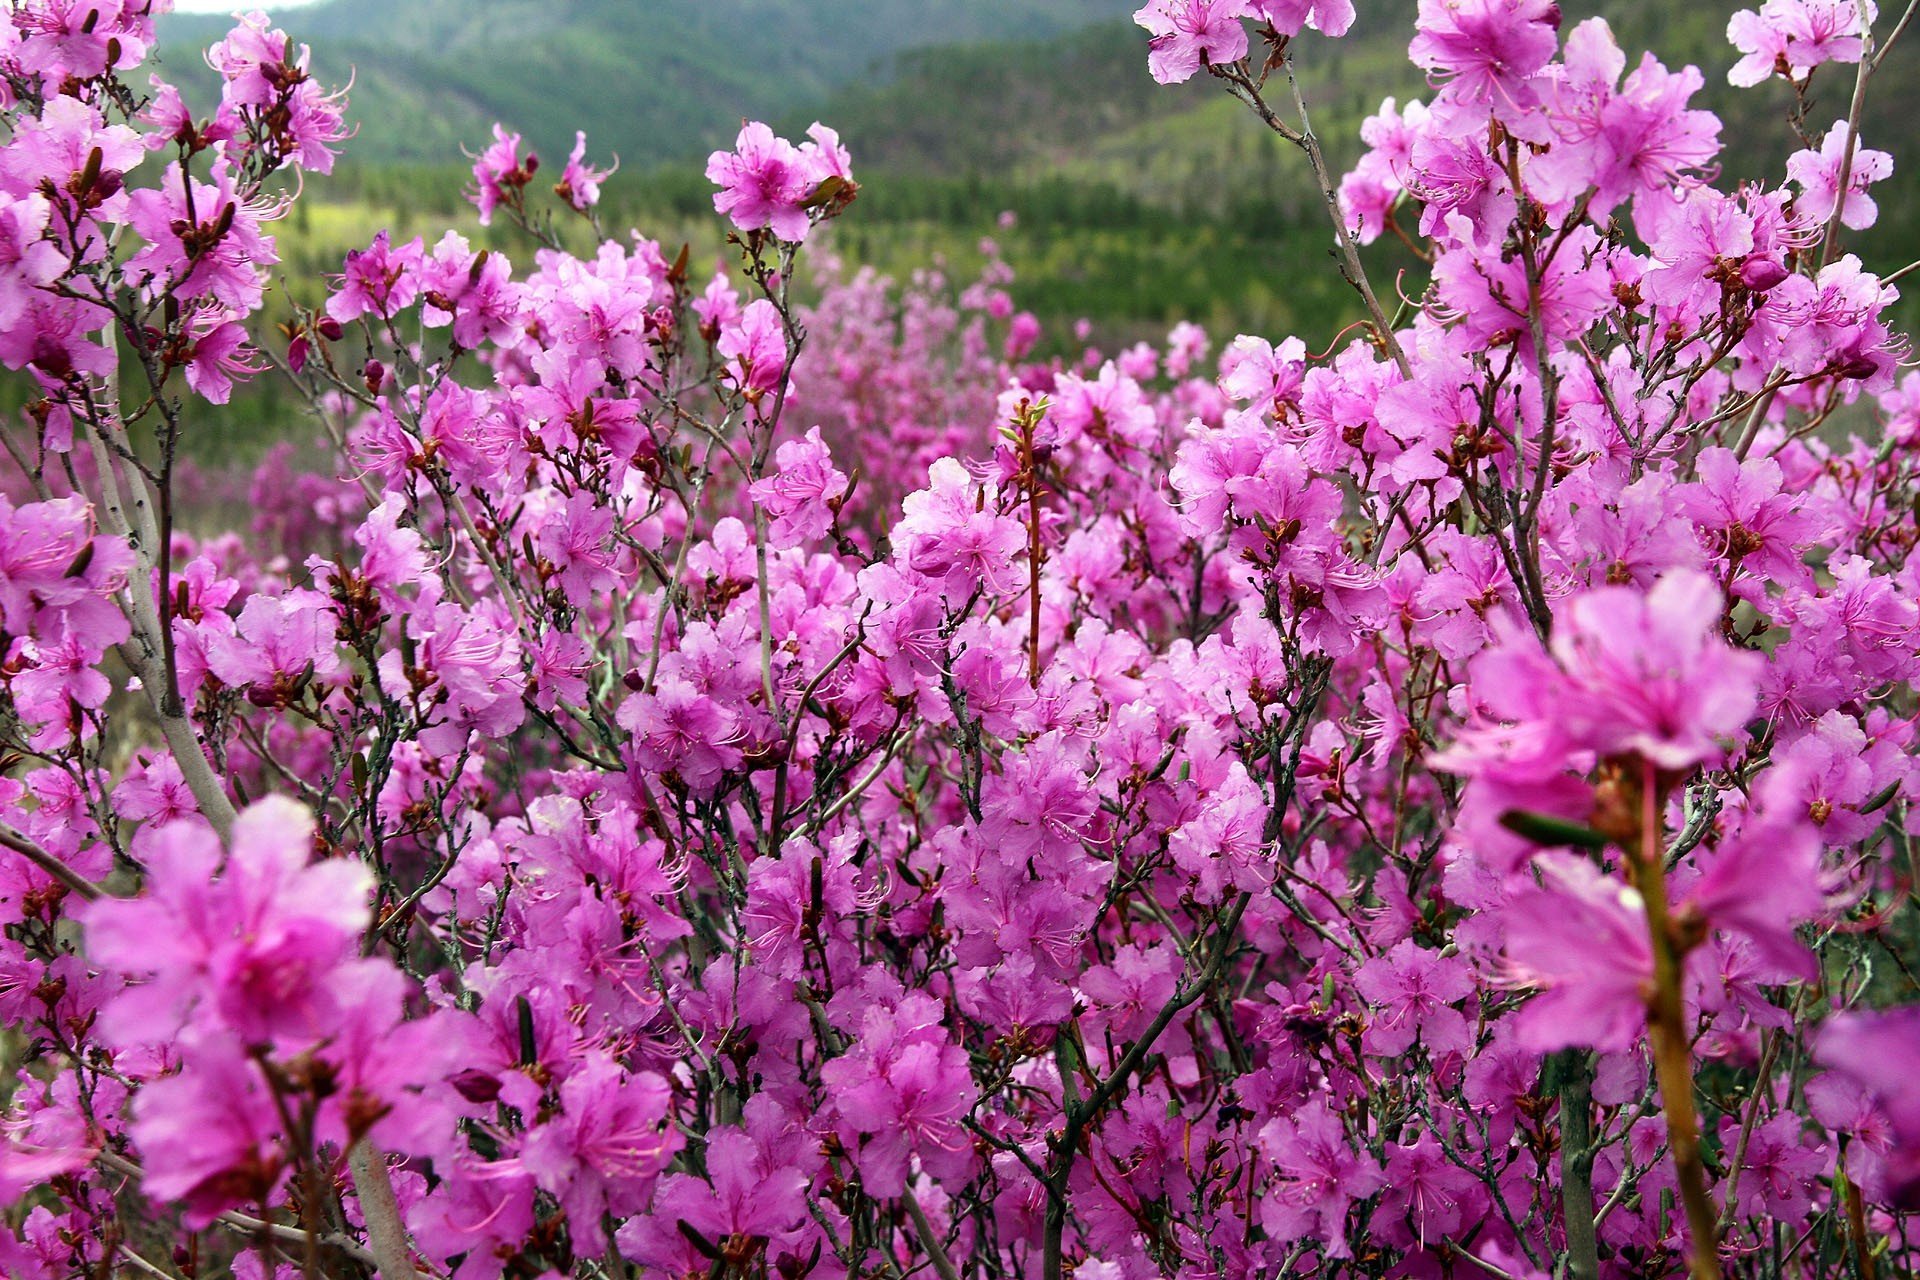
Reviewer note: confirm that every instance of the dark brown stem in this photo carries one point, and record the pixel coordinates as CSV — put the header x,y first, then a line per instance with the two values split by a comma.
x,y
1856,1221
1030,464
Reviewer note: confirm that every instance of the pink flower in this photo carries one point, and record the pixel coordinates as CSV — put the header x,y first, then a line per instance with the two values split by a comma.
x,y
472,292
467,432
799,498
59,677
1762,43
1796,34
1593,994
801,894
1249,473
277,640
1690,241
579,183
756,349
499,174
824,156
1289,17
602,1154
1640,137
378,280
1876,1051
56,574
1746,518
57,146
1764,879
473,655
81,39
901,1091
1648,673
208,244
677,729
392,555
1468,597
575,411
717,307
154,792
251,948
1413,991
561,664
1492,299
211,1133
1433,1195
28,260
56,338
1254,371
574,539
1191,34
270,104
952,532
481,1207
1317,1175
1817,174
248,60
1832,323
1226,842
1111,407
1485,51
764,182
24,1167
1042,805
750,1193
1782,1169
1129,992
220,356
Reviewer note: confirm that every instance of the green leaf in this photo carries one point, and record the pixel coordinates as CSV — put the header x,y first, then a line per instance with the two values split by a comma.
x,y
1547,830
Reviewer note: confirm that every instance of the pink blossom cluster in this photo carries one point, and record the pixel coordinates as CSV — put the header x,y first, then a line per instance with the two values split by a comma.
x,y
735,773
500,176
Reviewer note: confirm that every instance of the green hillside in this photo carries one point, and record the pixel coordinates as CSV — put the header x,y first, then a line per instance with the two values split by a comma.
x,y
650,80
1082,108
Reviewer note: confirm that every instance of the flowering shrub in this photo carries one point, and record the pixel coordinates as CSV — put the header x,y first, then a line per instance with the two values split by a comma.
x,y
717,786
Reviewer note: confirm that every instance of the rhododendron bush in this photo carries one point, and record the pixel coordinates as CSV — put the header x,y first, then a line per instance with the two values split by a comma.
x,y
723,777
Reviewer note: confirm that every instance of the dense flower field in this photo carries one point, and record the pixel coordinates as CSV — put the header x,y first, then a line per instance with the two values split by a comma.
x,y
710,783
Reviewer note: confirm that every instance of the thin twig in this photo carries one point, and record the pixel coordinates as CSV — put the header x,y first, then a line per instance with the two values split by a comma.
x,y
59,870
929,1238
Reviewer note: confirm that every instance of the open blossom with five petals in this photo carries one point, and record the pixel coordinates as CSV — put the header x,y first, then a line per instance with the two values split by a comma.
x,y
1191,34
606,1148
766,181
1817,174
249,940
901,1092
